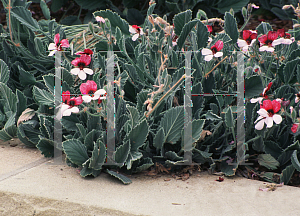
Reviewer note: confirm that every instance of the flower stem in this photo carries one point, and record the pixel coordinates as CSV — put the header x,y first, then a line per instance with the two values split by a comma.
x,y
206,75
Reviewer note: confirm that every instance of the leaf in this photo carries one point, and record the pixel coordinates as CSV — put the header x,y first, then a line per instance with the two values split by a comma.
x,y
224,6
150,9
228,169
25,17
45,9
180,20
122,152
22,102
81,129
75,151
253,86
289,69
134,115
26,78
172,123
132,156
159,138
231,27
98,156
86,171
187,28
146,163
138,135
4,72
91,4
90,138
46,147
287,174
202,35
295,161
197,126
229,121
115,20
69,122
8,133
43,97
298,73
71,20
26,115
119,176
263,28
268,161
9,98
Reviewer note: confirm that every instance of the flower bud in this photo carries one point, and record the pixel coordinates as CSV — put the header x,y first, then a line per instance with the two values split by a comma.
x,y
200,14
244,12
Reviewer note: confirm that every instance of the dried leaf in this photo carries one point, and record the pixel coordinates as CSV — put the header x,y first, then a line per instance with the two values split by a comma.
x,y
26,115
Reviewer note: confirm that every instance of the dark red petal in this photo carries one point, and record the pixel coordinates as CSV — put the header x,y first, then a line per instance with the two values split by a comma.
x,y
135,26
65,43
294,128
86,59
88,51
219,45
246,34
276,106
78,100
65,96
272,35
253,36
269,86
263,39
91,85
56,39
84,88
287,35
209,28
267,105
76,61
281,32
80,53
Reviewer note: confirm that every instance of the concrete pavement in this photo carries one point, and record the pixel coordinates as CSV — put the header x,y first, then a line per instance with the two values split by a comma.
x,y
41,188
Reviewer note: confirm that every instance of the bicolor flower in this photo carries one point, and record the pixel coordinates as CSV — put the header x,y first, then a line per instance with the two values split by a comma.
x,y
297,99
69,105
268,42
249,37
89,89
209,28
264,94
267,114
81,63
285,37
214,51
85,52
57,45
100,19
136,30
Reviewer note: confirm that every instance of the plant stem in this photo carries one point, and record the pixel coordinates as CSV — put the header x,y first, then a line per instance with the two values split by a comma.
x,y
206,75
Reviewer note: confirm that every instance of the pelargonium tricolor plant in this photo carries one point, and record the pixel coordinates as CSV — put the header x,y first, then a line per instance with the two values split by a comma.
x,y
149,87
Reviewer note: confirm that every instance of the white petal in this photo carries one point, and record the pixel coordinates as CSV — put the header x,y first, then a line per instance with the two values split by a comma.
x,y
241,43
141,31
67,112
218,54
132,30
88,71
259,118
252,42
254,100
287,41
269,122
277,42
208,57
102,98
266,48
206,51
74,110
64,107
270,49
86,98
134,37
277,118
52,53
263,112
245,48
260,125
52,46
209,39
82,75
75,71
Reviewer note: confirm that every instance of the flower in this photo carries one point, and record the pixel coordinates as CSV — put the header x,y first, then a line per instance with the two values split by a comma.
x,y
267,114
57,45
268,42
81,63
213,51
136,30
85,52
294,128
100,19
249,37
264,94
69,105
254,6
89,89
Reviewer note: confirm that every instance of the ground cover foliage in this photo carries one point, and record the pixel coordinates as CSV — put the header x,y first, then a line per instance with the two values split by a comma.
x,y
149,91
